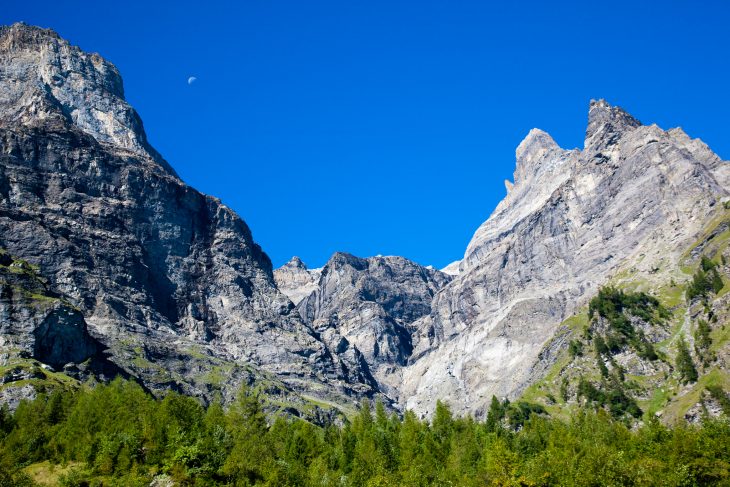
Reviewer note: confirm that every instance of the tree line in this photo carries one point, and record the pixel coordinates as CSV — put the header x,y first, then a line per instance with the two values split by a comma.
x,y
117,434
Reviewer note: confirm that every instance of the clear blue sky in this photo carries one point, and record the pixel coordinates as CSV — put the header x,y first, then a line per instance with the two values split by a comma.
x,y
388,127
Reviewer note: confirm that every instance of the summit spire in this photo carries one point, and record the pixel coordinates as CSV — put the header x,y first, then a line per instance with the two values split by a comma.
x,y
606,122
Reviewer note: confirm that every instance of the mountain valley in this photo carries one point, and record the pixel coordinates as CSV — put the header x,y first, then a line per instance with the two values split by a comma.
x,y
600,279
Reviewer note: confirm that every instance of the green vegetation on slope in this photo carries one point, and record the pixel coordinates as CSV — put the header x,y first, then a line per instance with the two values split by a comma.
x,y
118,435
653,351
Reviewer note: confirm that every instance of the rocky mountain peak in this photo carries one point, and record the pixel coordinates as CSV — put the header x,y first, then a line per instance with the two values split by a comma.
x,y
533,144
532,151
295,280
343,259
49,81
295,263
572,219
371,304
167,280
20,35
606,124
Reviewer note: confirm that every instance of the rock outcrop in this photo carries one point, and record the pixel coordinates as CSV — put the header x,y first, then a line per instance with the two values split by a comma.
x,y
166,278
634,193
371,304
112,265
35,323
295,280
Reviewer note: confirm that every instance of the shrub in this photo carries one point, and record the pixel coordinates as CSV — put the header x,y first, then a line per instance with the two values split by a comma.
x,y
575,348
705,280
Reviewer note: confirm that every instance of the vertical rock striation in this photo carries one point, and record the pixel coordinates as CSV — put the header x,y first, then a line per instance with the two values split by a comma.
x,y
635,193
371,304
157,269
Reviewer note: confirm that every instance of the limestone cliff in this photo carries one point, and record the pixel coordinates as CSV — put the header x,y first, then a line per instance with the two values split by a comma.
x,y
634,194
169,280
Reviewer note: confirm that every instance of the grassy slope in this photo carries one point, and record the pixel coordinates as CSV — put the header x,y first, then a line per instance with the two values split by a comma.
x,y
671,398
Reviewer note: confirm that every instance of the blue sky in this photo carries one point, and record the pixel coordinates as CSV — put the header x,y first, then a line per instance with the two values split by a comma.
x,y
388,127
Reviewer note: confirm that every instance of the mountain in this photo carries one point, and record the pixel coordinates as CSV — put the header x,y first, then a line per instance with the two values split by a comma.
x,y
295,280
635,197
168,281
600,279
372,304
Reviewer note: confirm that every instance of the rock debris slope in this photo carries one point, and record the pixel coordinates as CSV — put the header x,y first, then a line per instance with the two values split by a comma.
x,y
634,193
168,280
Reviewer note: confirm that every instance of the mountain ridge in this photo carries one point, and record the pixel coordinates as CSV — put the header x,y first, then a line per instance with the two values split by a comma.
x,y
552,239
158,270
174,292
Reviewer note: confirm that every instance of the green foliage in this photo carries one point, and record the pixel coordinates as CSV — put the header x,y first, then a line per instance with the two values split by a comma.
x,y
588,391
718,394
575,348
602,367
705,280
619,403
611,395
703,342
617,307
645,349
564,393
117,435
519,413
685,365
495,415
600,345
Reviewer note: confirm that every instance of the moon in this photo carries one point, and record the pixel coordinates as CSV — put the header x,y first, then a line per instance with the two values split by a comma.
x,y
192,80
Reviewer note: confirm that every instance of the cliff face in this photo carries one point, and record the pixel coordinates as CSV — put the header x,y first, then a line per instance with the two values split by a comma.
x,y
371,304
635,195
158,270
295,280
110,264
35,323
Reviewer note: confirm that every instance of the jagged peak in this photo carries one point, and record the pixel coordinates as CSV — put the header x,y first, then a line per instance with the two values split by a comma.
x,y
48,78
342,259
605,121
536,140
296,263
531,152
20,33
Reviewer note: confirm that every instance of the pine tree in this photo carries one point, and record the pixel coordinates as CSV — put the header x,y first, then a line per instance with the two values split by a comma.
x,y
494,415
684,363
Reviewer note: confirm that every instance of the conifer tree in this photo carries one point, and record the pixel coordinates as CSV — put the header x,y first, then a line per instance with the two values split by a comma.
x,y
684,363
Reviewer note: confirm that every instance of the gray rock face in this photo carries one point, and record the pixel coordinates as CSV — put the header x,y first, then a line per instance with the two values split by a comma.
x,y
634,194
452,269
295,280
46,79
158,270
131,271
371,304
34,323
